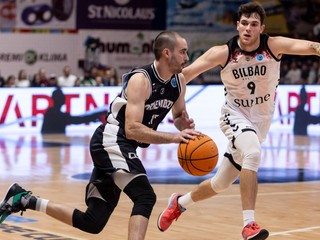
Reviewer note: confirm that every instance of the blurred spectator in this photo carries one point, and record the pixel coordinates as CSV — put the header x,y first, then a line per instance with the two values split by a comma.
x,y
2,80
304,73
10,82
77,83
23,80
67,79
294,74
99,81
53,81
35,81
284,71
87,80
44,80
313,73
94,71
316,28
112,77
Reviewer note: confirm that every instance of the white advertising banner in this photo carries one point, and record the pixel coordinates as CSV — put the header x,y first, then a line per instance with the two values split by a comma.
x,y
127,49
120,49
23,109
32,51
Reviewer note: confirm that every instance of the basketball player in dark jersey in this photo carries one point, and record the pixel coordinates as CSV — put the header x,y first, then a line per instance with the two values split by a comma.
x,y
148,94
250,73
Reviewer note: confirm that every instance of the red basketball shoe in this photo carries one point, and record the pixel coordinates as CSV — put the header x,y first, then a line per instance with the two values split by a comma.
x,y
252,231
172,212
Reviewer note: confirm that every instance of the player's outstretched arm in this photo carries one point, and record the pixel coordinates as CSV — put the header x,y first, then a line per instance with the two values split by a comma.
x,y
215,56
290,46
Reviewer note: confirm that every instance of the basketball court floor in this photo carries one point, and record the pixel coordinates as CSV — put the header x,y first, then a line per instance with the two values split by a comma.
x,y
57,167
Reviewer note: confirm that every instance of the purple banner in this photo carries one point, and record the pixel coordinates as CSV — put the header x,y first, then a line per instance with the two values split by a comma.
x,y
121,14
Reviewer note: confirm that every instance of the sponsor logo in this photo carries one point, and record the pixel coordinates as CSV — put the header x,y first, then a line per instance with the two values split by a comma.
x,y
30,57
29,233
259,57
251,102
134,46
249,71
163,103
118,13
174,82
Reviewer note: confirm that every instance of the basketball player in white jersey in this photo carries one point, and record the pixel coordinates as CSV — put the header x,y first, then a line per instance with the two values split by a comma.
x,y
250,72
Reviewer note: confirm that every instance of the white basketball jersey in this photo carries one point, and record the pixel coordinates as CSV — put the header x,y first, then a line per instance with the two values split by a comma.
x,y
250,80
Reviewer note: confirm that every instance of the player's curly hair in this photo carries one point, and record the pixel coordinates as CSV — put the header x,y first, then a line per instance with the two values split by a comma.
x,y
252,7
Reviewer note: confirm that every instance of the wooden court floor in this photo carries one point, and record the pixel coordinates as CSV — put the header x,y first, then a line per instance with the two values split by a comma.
x,y
290,210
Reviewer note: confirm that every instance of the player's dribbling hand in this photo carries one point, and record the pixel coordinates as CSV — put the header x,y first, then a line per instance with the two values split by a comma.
x,y
187,134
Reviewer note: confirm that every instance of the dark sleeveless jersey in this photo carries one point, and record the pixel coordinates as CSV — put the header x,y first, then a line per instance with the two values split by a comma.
x,y
163,94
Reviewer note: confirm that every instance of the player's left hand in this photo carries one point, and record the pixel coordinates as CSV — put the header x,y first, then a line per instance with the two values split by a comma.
x,y
186,122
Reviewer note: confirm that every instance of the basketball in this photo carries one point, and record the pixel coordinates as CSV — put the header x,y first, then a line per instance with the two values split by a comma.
x,y
199,156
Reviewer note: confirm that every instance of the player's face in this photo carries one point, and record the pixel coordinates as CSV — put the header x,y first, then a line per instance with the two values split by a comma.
x,y
179,57
249,29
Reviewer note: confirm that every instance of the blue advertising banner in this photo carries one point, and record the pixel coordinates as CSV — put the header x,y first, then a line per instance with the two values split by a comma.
x,y
202,15
121,14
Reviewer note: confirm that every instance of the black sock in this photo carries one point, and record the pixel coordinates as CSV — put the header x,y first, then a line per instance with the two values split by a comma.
x,y
32,203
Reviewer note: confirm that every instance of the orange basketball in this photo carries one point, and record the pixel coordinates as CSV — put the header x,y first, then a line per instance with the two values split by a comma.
x,y
198,157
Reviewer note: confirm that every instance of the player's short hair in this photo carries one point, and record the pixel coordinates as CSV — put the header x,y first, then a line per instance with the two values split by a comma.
x,y
252,7
165,39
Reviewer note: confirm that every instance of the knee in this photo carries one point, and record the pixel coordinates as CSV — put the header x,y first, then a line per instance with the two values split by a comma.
x,y
142,195
94,227
144,203
88,222
251,160
219,186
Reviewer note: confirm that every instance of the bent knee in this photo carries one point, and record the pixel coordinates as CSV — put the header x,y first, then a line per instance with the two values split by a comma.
x,y
144,204
252,159
94,228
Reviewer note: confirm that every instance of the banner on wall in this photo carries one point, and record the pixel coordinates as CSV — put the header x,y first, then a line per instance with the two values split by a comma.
x,y
120,49
202,15
25,109
38,14
71,109
33,51
127,49
117,48
220,16
7,14
121,14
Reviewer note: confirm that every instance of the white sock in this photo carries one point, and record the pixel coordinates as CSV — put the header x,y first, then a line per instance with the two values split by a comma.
x,y
248,216
185,200
41,205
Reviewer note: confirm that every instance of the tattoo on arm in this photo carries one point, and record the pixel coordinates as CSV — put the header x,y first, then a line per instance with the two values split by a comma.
x,y
316,47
